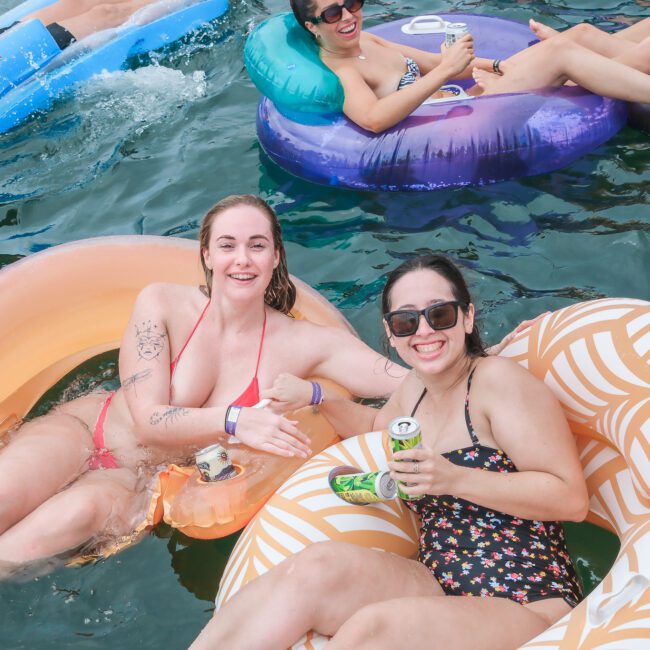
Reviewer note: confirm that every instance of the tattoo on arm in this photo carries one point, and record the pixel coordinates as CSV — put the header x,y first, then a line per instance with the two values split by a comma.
x,y
150,340
131,381
168,416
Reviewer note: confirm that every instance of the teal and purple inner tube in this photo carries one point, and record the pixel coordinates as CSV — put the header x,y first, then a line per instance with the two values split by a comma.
x,y
454,143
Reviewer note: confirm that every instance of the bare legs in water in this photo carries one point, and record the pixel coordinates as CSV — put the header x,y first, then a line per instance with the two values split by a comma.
x,y
84,17
612,65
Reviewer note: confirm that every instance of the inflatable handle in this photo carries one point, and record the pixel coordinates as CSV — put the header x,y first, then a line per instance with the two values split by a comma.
x,y
602,611
263,403
429,24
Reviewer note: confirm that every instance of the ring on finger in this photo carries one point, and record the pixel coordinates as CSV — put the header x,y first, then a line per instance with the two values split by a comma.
x,y
416,467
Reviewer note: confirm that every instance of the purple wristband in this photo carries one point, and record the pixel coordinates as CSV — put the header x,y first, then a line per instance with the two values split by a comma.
x,y
232,415
316,394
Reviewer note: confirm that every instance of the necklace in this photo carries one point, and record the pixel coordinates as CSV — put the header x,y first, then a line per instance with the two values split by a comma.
x,y
361,56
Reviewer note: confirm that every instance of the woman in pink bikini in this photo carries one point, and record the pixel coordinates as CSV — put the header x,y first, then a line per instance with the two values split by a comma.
x,y
191,364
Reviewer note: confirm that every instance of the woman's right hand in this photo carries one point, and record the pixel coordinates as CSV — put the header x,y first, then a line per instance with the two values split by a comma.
x,y
456,58
288,393
275,434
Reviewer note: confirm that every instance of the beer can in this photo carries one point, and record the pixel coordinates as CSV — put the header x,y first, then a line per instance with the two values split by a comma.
x,y
454,31
405,433
214,464
354,486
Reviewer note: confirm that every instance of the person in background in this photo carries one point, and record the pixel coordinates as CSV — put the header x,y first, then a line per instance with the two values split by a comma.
x,y
384,82
71,20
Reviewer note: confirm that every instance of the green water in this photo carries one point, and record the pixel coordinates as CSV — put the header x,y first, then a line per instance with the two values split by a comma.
x,y
149,150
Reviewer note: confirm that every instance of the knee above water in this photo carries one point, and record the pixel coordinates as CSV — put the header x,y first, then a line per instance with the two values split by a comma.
x,y
83,513
11,507
367,623
582,31
317,565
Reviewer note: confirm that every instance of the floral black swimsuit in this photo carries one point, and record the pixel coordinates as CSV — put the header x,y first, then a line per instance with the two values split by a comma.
x,y
474,551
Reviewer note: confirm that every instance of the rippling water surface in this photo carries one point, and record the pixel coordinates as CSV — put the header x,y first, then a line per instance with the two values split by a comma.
x,y
148,150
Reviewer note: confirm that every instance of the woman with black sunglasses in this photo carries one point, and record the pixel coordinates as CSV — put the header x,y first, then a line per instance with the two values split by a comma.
x,y
493,570
384,82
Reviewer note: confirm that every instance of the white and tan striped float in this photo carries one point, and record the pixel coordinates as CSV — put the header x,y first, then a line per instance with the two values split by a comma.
x,y
596,358
69,303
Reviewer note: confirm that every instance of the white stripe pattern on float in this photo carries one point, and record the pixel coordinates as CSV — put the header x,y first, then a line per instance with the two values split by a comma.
x,y
638,325
587,366
604,341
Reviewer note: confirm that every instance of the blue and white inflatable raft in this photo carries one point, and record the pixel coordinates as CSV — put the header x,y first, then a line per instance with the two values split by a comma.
x,y
34,71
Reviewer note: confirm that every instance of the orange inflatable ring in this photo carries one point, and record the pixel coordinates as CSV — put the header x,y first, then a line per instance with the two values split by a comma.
x,y
595,356
69,303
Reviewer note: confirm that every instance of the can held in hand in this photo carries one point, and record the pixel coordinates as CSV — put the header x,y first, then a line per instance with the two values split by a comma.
x,y
454,31
214,464
405,433
354,486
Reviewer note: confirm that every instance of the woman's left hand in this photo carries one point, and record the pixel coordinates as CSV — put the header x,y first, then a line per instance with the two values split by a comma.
x,y
288,393
427,471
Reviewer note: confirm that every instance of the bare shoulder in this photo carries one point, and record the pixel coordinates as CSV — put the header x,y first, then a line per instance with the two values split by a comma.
x,y
307,330
161,296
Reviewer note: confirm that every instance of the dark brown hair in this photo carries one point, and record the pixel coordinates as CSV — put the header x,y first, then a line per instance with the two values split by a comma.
x,y
303,10
281,292
448,270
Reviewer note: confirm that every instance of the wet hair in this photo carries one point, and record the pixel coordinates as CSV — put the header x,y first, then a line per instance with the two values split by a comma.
x,y
281,292
303,10
448,270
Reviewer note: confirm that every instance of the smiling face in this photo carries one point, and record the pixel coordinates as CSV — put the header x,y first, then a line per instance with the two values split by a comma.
x,y
429,351
342,33
240,252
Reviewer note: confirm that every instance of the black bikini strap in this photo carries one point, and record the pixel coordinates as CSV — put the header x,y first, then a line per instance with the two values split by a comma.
x,y
468,420
415,408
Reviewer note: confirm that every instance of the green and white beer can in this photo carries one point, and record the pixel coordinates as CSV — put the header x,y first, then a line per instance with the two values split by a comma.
x,y
361,488
405,433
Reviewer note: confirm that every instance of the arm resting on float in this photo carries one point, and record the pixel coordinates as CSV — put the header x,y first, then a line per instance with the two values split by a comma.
x,y
349,362
375,114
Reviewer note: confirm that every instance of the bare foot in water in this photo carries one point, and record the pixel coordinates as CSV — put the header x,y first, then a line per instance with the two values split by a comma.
x,y
541,31
484,79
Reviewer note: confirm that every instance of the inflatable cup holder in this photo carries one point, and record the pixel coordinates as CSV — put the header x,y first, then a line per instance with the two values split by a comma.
x,y
204,503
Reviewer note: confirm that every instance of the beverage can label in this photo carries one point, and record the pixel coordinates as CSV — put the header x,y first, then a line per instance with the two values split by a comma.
x,y
453,31
405,433
354,486
214,464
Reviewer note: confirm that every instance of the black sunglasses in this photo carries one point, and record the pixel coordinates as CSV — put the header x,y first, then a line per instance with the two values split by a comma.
x,y
441,316
334,13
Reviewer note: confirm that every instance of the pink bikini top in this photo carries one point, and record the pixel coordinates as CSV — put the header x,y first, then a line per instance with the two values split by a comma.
x,y
251,395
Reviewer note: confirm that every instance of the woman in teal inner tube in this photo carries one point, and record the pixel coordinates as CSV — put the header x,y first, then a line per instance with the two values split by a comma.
x,y
384,82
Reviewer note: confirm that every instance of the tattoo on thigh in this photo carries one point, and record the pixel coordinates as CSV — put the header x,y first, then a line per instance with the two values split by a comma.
x,y
150,340
130,382
168,416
